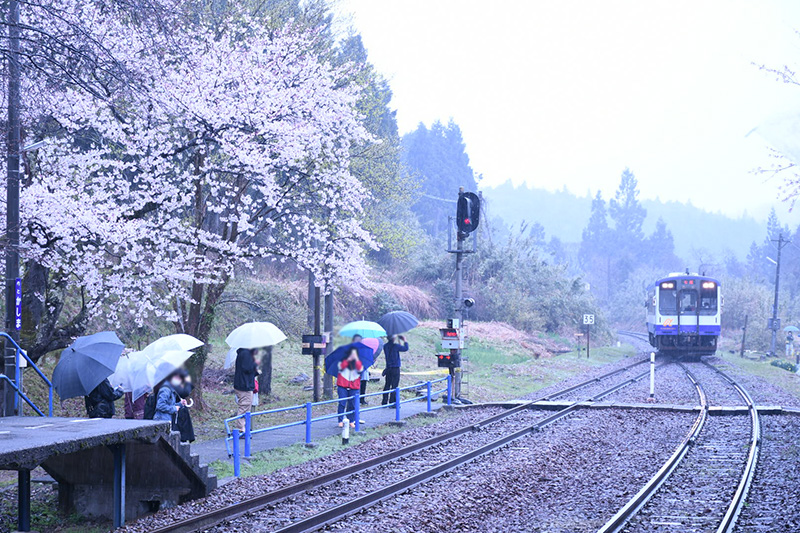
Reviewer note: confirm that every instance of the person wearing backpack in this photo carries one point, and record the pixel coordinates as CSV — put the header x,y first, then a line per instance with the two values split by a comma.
x,y
168,402
100,402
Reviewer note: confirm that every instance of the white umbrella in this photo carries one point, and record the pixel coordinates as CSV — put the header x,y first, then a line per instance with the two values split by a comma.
x,y
230,359
255,335
122,374
145,370
171,343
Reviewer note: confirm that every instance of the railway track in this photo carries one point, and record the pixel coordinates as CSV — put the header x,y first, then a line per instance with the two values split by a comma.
x,y
709,462
333,513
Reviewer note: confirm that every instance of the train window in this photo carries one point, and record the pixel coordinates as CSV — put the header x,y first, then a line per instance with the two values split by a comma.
x,y
708,301
688,301
667,301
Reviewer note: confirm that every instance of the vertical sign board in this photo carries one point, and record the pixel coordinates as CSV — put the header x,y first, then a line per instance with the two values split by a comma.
x,y
18,304
588,321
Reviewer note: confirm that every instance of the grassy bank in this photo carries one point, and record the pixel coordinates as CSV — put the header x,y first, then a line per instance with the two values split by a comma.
x,y
503,364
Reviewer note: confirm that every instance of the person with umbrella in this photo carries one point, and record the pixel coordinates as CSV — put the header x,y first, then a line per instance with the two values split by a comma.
x,y
348,383
392,350
168,401
244,383
83,370
100,402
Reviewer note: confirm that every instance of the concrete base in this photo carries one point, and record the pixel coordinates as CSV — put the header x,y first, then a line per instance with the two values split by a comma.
x,y
160,471
432,414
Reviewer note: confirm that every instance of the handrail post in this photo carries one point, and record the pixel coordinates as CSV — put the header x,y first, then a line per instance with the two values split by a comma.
x,y
18,381
449,389
428,386
308,422
397,404
236,466
247,425
357,410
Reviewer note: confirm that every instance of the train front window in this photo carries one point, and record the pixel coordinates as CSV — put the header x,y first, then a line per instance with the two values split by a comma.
x,y
667,301
688,301
708,301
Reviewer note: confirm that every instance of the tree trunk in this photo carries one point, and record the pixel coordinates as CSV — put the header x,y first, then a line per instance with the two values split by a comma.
x,y
198,324
43,297
265,378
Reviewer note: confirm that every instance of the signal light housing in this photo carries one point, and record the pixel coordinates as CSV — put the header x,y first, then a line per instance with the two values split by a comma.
x,y
468,212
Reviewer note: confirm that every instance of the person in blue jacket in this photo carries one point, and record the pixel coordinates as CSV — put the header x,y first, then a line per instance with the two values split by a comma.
x,y
168,401
396,344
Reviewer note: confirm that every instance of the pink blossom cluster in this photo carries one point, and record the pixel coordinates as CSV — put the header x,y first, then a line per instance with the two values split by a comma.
x,y
203,154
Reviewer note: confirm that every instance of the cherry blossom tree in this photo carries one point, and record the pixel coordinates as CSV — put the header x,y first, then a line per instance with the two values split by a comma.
x,y
225,149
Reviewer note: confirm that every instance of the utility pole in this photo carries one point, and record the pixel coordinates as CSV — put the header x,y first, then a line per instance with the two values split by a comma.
x,y
744,336
327,383
317,355
781,243
12,203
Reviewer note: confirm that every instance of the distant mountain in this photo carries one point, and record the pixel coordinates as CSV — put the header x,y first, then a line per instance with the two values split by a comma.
x,y
564,215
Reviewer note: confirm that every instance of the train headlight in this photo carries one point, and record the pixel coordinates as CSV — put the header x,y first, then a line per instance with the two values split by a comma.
x,y
668,285
709,284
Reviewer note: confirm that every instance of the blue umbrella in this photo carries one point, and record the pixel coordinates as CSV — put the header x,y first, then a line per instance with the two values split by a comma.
x,y
86,363
365,354
398,322
365,328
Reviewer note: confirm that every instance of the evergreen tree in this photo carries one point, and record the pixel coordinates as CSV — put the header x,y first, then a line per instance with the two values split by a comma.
x,y
437,158
595,251
627,213
661,248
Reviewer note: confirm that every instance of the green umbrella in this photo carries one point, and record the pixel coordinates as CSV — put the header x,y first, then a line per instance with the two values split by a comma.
x,y
791,328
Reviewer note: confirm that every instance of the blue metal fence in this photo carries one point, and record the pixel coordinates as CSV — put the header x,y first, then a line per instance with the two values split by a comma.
x,y
232,440
17,384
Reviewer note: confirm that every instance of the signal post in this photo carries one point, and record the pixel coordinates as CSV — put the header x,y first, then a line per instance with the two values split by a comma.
x,y
467,218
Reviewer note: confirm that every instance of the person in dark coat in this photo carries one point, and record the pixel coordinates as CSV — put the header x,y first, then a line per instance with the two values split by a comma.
x,y
244,382
392,349
183,421
100,402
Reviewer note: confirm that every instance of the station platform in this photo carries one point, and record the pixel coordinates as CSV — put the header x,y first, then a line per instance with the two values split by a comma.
x,y
110,468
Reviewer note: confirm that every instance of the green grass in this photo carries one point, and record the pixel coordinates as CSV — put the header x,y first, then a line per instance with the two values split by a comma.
x,y
779,377
277,458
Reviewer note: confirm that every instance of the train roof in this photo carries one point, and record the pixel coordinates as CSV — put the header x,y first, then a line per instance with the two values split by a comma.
x,y
683,275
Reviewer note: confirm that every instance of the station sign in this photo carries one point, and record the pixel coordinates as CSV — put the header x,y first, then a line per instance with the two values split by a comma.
x,y
18,304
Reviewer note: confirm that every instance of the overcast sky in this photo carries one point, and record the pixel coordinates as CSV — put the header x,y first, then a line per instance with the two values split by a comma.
x,y
555,93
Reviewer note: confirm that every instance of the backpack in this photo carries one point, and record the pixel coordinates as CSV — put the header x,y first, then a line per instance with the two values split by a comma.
x,y
150,407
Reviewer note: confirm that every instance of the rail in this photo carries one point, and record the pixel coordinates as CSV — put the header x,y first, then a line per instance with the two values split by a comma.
x,y
621,518
739,497
203,521
18,378
232,440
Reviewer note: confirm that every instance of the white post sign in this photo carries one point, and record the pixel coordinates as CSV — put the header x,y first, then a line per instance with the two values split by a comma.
x,y
588,320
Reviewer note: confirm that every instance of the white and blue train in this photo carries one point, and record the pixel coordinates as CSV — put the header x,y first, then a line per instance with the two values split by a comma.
x,y
683,314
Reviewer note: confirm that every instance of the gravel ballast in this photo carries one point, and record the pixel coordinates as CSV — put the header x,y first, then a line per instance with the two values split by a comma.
x,y
571,477
774,502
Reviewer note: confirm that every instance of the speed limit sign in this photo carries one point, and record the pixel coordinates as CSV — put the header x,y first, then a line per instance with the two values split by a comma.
x,y
588,320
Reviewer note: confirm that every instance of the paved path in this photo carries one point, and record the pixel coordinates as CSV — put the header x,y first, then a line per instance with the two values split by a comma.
x,y
214,450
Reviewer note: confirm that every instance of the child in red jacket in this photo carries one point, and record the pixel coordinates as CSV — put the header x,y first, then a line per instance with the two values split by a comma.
x,y
348,384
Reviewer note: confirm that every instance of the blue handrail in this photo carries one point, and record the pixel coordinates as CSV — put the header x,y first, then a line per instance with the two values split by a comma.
x,y
233,435
24,397
17,376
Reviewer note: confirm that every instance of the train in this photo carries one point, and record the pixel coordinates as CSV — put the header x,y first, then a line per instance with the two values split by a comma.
x,y
683,315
